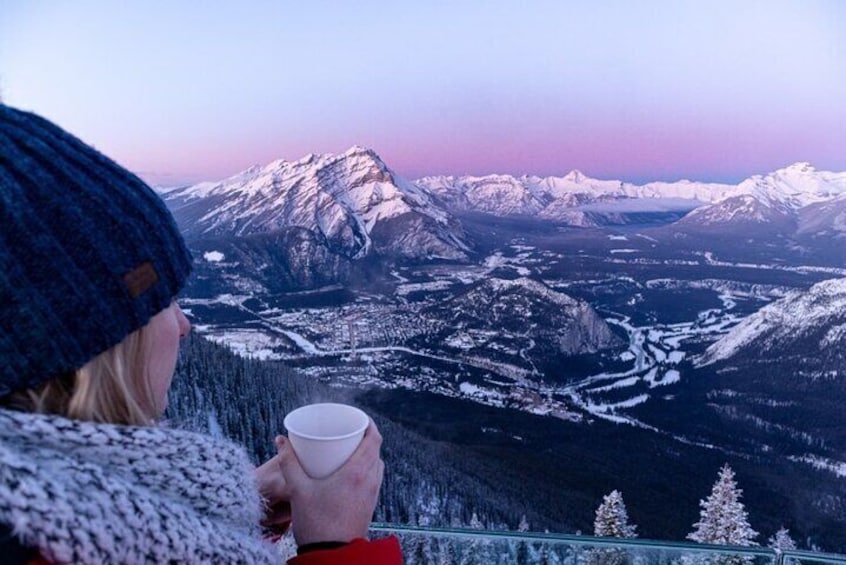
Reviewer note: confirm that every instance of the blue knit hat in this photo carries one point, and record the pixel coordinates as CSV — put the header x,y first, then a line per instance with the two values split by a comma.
x,y
88,252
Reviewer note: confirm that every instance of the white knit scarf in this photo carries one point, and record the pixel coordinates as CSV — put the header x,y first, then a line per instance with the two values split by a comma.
x,y
95,493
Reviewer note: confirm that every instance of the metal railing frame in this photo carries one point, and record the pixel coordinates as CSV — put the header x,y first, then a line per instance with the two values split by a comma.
x,y
777,557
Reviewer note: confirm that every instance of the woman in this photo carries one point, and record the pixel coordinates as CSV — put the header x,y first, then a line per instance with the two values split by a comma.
x,y
90,264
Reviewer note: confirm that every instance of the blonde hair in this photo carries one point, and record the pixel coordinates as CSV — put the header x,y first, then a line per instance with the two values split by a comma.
x,y
111,388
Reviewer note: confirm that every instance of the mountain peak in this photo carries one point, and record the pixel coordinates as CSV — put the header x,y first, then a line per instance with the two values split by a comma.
x,y
575,176
799,167
360,150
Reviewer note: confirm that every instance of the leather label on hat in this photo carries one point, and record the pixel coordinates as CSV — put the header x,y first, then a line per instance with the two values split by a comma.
x,y
141,279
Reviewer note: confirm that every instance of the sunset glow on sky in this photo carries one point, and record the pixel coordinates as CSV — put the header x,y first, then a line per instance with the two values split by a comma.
x,y
638,91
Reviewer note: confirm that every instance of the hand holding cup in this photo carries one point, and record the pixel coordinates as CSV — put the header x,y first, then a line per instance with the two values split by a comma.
x,y
337,507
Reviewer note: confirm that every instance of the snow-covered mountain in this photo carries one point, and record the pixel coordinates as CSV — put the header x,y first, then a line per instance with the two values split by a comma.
x,y
776,198
580,200
352,201
574,198
808,324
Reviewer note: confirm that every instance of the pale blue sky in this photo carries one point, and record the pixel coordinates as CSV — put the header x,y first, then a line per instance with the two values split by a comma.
x,y
619,89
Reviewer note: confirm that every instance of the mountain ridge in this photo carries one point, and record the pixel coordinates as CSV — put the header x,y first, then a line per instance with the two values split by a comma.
x,y
786,322
567,198
342,198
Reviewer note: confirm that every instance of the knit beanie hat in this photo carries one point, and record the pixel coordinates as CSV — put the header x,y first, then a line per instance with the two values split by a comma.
x,y
88,252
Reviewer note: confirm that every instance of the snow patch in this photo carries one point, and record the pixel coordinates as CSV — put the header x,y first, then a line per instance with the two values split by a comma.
x,y
214,256
836,467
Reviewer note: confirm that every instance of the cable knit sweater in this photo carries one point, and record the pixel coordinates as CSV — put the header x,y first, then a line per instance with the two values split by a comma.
x,y
95,493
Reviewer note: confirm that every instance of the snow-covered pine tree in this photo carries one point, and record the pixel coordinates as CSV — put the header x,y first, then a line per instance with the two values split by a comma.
x,y
521,548
612,520
523,526
781,541
473,550
723,518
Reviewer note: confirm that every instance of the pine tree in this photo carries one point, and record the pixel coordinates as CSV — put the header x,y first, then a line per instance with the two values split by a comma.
x,y
612,520
523,526
473,551
522,556
723,518
781,541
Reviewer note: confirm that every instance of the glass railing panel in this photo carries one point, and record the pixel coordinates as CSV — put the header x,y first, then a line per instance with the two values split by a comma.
x,y
811,558
484,547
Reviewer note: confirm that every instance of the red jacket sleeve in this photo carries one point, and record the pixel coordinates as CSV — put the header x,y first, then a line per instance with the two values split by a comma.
x,y
357,552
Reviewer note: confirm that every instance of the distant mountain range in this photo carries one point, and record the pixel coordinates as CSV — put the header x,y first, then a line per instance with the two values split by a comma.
x,y
358,204
309,222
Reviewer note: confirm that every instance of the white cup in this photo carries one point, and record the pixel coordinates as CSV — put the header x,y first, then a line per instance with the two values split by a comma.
x,y
325,435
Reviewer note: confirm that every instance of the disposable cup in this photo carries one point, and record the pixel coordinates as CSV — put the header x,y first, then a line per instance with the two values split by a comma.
x,y
325,435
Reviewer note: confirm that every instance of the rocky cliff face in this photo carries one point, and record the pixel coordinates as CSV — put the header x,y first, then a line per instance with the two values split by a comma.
x,y
281,261
526,308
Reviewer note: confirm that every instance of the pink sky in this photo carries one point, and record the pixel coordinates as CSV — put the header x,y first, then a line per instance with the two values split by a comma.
x,y
631,90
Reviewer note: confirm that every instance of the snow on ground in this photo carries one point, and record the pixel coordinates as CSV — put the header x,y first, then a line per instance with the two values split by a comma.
x,y
247,343
491,397
460,341
226,299
630,403
609,411
710,260
622,383
495,260
302,343
214,256
498,260
399,277
670,377
650,376
659,354
836,467
406,289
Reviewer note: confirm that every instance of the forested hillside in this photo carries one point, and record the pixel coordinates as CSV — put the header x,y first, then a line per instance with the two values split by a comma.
x,y
459,479
246,400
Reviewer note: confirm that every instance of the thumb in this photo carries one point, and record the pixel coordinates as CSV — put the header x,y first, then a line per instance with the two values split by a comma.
x,y
288,462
